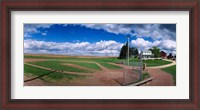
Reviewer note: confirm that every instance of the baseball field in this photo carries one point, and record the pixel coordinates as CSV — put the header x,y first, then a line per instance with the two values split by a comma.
x,y
60,70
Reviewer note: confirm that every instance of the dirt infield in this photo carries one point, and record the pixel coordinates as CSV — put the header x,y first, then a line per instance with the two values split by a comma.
x,y
161,78
36,82
103,77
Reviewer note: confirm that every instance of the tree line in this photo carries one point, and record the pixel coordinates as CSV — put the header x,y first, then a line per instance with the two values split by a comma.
x,y
134,52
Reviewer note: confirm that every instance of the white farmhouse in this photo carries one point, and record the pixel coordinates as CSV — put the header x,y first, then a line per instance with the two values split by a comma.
x,y
147,55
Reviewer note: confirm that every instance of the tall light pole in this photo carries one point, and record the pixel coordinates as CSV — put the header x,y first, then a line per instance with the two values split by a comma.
x,y
106,54
140,71
128,49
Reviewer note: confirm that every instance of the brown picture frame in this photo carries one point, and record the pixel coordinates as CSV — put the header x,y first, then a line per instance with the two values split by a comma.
x,y
193,103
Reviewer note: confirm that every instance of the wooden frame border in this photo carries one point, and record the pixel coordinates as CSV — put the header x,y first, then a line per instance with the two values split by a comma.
x,y
127,5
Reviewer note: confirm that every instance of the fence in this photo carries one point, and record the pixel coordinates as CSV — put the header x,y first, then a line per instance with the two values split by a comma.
x,y
132,73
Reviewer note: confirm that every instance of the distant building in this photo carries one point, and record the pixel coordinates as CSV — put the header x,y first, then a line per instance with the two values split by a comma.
x,y
163,54
147,55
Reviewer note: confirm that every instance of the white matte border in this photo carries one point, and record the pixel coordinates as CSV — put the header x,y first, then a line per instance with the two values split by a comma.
x,y
180,91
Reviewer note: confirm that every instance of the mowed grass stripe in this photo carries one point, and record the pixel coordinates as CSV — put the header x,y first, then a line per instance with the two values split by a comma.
x,y
34,71
87,65
110,66
57,65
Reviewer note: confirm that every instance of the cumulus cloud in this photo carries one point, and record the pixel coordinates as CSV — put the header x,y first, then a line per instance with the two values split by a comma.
x,y
101,48
166,45
111,28
30,29
44,33
162,35
141,44
155,31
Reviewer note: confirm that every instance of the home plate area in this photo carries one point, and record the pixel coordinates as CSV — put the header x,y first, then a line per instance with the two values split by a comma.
x,y
130,76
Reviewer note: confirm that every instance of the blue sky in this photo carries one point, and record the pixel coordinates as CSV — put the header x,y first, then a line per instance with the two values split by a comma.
x,y
96,39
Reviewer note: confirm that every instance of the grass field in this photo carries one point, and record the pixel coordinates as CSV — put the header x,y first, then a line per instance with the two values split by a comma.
x,y
58,66
172,71
94,59
151,63
87,65
34,71
145,75
133,61
110,66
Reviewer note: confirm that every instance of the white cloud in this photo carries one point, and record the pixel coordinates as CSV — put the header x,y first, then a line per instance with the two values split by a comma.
x,y
155,31
44,34
161,37
112,28
30,29
141,44
166,45
139,30
101,48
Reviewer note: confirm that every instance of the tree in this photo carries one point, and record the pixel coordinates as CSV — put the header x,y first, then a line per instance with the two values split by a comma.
x,y
123,52
170,56
155,51
133,51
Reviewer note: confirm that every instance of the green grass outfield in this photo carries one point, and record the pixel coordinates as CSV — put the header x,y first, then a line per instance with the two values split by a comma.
x,y
87,65
34,71
110,66
109,59
151,63
132,61
172,71
58,65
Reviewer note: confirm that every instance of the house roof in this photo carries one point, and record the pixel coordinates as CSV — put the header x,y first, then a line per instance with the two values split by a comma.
x,y
147,51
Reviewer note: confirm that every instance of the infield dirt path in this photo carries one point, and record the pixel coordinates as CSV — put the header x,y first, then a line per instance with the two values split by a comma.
x,y
36,82
161,78
103,77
